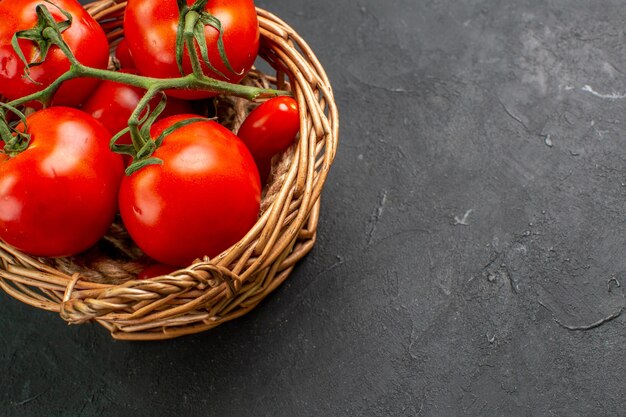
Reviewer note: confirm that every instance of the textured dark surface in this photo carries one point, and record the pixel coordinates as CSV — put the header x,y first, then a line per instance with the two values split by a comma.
x,y
474,218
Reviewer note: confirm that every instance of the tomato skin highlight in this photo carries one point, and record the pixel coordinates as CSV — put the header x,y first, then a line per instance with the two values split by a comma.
x,y
204,197
59,196
150,28
85,38
112,104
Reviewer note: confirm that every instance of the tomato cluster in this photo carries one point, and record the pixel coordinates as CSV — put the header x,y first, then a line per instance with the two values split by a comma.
x,y
191,188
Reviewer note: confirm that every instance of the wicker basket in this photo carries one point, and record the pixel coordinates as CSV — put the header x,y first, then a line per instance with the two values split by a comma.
x,y
100,285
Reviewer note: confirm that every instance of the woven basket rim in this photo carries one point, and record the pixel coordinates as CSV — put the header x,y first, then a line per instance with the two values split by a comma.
x,y
211,291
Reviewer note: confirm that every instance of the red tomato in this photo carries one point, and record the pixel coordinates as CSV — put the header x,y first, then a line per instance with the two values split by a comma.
x,y
122,53
150,27
59,196
200,201
85,38
270,129
112,104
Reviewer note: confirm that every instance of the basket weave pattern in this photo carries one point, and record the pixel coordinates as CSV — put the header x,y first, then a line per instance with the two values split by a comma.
x,y
99,287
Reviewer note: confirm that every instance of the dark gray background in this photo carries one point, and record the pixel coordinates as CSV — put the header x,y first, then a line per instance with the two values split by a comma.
x,y
473,219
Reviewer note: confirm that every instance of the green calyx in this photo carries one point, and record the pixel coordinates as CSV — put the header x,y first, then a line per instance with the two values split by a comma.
x,y
144,157
143,145
45,34
139,125
191,25
15,141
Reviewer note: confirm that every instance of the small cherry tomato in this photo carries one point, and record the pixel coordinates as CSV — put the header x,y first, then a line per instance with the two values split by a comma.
x,y
203,198
270,129
59,196
85,38
112,103
123,55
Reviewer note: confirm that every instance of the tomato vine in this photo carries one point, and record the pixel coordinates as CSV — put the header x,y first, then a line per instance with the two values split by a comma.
x,y
48,33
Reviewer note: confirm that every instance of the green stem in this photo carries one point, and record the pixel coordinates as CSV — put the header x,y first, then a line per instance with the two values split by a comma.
x,y
190,81
56,38
191,20
133,122
15,141
44,96
5,132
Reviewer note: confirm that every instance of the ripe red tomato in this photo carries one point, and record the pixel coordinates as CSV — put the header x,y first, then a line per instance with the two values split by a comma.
x,y
270,129
123,55
59,196
150,27
200,201
112,104
85,38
